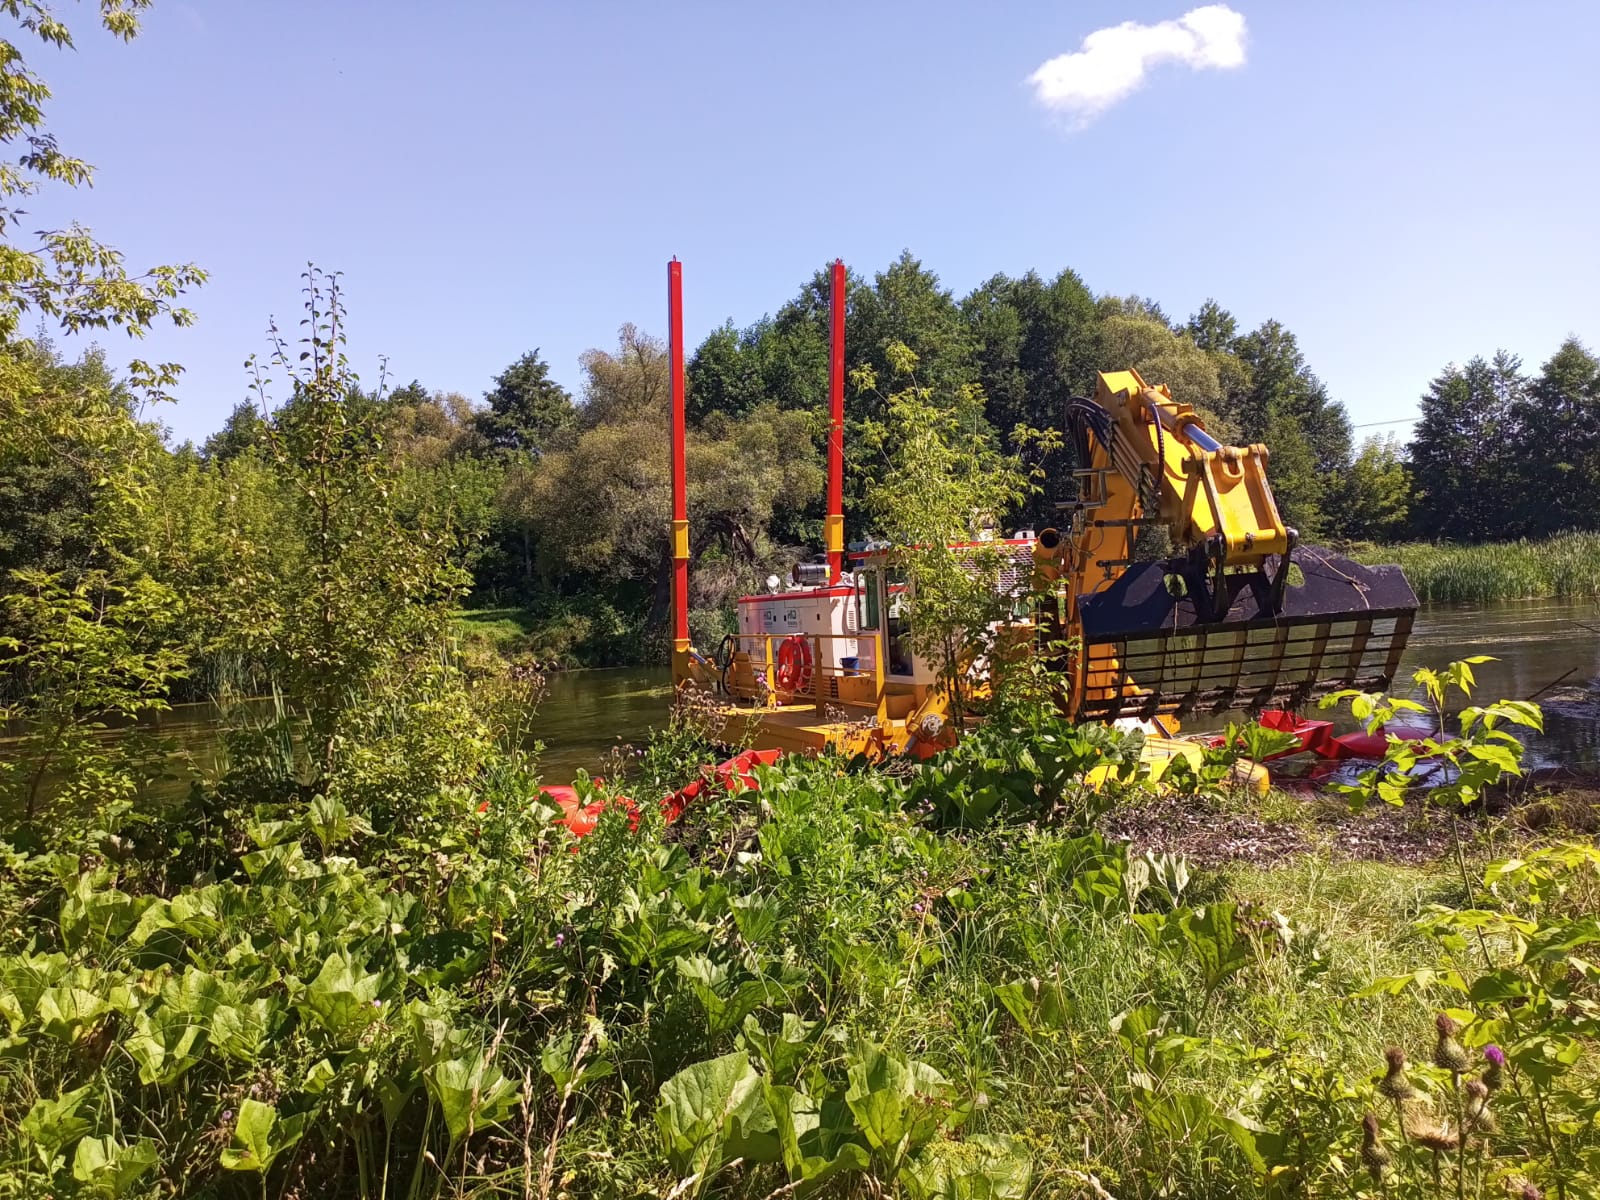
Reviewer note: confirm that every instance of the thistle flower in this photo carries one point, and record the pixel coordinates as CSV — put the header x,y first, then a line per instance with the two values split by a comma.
x,y
1448,1052
1437,1138
1494,1074
1375,1155
1479,1118
1394,1084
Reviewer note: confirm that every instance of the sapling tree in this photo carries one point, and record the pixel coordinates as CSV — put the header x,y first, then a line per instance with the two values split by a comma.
x,y
946,481
351,620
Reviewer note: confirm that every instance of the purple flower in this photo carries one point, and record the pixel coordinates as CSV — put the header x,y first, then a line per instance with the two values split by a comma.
x,y
227,1114
1494,1075
561,939
917,908
377,1004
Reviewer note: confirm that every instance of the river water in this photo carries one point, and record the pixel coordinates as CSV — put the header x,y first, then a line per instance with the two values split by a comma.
x,y
1544,647
1534,643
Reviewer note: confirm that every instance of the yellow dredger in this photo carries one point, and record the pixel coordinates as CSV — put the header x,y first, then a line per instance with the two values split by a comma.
x,y
1242,618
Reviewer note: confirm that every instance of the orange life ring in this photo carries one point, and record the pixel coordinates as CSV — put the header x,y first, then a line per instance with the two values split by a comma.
x,y
794,664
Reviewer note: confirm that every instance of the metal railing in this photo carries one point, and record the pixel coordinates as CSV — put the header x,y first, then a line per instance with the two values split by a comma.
x,y
762,649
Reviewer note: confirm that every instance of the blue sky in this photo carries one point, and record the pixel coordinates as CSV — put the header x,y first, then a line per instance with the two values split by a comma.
x,y
1403,185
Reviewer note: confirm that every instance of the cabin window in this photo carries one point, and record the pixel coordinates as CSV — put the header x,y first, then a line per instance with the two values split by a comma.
x,y
901,660
867,611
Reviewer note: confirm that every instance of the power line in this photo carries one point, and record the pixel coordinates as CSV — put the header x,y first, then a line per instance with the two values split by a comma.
x,y
1396,421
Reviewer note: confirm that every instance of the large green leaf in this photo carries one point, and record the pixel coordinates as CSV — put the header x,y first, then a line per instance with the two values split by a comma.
x,y
260,1135
1038,1006
99,916
782,1051
241,1031
898,1104
53,1125
756,916
164,1044
470,1092
341,998
68,1013
108,1167
713,1112
559,1062
819,1140
981,1167
726,1004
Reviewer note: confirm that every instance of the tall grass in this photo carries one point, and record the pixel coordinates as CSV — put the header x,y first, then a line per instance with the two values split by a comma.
x,y
1563,567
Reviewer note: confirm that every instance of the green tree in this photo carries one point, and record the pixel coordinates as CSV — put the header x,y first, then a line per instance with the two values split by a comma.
x,y
1213,328
1287,408
906,308
1555,468
1037,344
49,490
1162,356
429,429
598,508
1461,448
82,652
527,409
363,617
241,432
65,276
1371,500
944,483
724,374
69,437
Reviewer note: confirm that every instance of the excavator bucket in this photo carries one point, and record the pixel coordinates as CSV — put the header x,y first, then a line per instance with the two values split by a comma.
x,y
1160,640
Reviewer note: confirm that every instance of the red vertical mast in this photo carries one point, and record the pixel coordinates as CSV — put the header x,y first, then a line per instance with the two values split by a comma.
x,y
680,497
833,523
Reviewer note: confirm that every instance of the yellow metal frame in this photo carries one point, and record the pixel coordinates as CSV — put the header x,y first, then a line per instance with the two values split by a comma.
x,y
1205,494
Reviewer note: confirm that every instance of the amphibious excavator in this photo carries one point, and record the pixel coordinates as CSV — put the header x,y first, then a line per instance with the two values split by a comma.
x,y
1240,617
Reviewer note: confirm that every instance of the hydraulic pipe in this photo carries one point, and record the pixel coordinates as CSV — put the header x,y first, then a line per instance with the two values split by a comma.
x,y
1189,428
833,523
680,490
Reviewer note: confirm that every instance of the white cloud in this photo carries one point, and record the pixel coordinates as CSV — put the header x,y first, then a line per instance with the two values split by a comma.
x,y
1112,62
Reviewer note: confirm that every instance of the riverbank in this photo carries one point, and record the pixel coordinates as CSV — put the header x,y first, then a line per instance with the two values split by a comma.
x,y
831,979
557,636
1564,567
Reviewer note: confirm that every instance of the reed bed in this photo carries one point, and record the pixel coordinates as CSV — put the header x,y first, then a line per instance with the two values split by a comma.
x,y
1566,567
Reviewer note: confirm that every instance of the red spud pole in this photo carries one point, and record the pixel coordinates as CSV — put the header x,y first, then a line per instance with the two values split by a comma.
x,y
680,490
833,524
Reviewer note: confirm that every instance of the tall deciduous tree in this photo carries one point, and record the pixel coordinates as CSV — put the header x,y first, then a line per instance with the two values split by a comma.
x,y
73,620
1371,500
375,582
600,504
65,276
1287,408
1036,345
